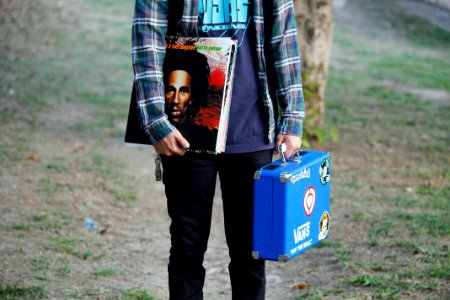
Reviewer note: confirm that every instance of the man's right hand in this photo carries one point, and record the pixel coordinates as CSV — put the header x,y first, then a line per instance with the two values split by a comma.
x,y
173,144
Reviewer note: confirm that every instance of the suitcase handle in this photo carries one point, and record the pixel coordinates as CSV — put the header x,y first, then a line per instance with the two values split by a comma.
x,y
282,149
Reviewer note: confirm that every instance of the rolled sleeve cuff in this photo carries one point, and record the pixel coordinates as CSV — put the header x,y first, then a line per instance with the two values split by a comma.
x,y
159,130
291,126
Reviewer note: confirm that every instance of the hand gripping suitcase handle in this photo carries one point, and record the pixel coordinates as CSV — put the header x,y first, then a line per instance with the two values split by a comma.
x,y
282,149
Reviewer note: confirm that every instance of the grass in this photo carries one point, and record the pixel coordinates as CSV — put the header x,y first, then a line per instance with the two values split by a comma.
x,y
439,270
21,226
135,294
391,286
77,246
47,66
12,292
110,177
391,183
13,148
343,256
434,224
400,193
64,271
64,245
51,221
40,263
416,30
385,287
106,271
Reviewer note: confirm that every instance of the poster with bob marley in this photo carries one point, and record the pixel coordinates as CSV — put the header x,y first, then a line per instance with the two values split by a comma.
x,y
197,76
198,80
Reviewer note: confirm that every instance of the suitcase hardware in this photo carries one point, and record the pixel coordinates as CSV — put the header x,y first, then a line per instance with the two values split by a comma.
x,y
282,149
285,177
281,258
284,257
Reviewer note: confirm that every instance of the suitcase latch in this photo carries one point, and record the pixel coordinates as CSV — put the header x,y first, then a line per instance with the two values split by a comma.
x,y
284,257
285,177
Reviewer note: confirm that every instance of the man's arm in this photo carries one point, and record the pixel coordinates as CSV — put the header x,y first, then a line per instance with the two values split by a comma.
x,y
285,50
148,42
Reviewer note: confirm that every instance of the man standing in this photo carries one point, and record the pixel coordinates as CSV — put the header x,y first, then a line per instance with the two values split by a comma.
x,y
267,64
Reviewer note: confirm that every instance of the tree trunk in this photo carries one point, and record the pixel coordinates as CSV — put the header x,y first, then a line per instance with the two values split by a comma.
x,y
315,27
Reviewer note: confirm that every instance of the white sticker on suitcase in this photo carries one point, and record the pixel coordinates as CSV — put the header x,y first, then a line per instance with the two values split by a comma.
x,y
309,200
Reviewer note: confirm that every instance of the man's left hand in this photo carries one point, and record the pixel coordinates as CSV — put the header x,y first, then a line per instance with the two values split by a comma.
x,y
292,142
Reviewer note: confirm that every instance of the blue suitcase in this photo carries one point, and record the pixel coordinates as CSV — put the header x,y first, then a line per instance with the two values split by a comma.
x,y
291,205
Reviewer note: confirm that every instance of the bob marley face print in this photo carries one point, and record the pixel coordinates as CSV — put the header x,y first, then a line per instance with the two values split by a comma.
x,y
178,95
186,81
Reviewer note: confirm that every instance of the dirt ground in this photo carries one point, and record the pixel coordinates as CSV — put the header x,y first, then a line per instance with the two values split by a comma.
x,y
134,239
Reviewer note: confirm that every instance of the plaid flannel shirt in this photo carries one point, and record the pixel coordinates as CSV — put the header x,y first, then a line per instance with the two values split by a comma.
x,y
150,24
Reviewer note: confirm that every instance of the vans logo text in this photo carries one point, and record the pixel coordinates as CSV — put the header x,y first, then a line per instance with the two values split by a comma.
x,y
301,233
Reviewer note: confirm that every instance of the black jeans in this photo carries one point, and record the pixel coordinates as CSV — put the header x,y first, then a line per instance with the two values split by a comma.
x,y
190,183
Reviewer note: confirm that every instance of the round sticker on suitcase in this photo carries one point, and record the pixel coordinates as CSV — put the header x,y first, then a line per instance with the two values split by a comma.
x,y
309,200
324,171
324,225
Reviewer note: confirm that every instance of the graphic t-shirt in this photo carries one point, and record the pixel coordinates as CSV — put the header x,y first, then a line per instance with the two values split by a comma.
x,y
232,18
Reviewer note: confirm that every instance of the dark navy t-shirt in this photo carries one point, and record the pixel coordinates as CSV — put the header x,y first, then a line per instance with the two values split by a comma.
x,y
247,130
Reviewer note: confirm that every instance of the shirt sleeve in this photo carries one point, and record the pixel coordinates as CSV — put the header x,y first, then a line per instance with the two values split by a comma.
x,y
148,49
286,56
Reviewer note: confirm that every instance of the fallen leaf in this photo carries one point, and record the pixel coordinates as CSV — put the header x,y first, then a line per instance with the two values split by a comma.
x,y
433,182
31,201
79,146
300,286
33,157
62,182
99,201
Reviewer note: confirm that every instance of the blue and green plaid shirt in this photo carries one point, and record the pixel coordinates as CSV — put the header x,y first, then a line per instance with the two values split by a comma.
x,y
150,25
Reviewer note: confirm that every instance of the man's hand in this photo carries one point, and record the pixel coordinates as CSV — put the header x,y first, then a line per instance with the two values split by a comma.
x,y
173,144
293,143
